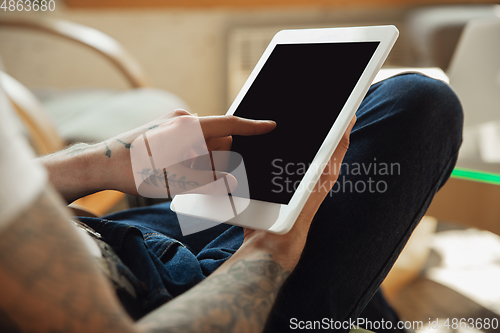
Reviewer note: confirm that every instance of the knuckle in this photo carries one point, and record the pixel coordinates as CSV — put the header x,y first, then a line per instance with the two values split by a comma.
x,y
231,119
179,113
181,121
225,139
226,143
344,143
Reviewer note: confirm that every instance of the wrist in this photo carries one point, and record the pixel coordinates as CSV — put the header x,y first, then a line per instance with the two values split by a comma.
x,y
285,249
94,165
107,166
74,172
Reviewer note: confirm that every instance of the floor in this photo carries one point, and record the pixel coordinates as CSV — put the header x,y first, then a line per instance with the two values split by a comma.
x,y
460,281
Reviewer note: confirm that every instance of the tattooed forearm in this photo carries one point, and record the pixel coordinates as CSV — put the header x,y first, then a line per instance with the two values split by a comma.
x,y
157,178
108,151
238,300
77,149
48,281
126,145
81,148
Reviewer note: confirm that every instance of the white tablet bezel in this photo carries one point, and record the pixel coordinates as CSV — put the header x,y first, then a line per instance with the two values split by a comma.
x,y
282,217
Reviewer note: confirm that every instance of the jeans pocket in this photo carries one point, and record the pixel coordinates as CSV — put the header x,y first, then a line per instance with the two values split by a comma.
x,y
160,244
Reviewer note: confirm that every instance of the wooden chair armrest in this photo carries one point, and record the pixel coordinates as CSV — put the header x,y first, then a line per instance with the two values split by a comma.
x,y
43,134
97,204
89,37
46,140
77,210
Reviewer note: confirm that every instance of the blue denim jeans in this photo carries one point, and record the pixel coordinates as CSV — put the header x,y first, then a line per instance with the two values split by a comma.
x,y
403,148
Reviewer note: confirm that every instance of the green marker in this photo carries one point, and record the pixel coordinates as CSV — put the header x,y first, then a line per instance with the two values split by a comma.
x,y
477,176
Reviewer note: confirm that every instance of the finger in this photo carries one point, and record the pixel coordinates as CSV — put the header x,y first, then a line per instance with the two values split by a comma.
x,y
344,142
329,176
333,168
352,123
340,151
221,126
223,143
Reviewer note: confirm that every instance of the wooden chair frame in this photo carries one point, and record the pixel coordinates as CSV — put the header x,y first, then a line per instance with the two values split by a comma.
x,y
43,134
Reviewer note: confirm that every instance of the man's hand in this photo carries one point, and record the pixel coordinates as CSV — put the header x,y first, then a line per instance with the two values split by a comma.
x,y
239,295
288,247
84,169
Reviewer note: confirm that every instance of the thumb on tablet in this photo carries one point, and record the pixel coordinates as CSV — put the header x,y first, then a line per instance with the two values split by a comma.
x,y
331,172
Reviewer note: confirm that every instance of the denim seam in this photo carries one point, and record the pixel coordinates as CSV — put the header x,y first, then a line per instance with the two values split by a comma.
x,y
169,244
148,235
99,227
356,306
151,234
165,250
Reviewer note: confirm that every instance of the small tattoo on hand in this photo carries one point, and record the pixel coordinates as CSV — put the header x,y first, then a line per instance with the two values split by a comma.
x,y
108,151
127,145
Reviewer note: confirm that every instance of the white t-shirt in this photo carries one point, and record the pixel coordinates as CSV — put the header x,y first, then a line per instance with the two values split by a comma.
x,y
21,177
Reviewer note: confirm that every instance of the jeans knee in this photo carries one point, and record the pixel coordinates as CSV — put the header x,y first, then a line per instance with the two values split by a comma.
x,y
428,103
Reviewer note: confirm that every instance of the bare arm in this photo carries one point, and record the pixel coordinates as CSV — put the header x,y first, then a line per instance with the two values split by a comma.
x,y
238,296
88,168
49,283
72,171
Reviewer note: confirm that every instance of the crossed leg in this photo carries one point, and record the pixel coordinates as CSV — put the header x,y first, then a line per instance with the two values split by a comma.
x,y
403,148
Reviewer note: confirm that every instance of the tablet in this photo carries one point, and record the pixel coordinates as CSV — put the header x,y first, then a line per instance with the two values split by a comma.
x,y
311,82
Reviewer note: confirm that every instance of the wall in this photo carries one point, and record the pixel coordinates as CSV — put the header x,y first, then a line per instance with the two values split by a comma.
x,y
183,51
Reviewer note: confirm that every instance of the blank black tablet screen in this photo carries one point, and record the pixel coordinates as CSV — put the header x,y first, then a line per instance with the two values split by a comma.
x,y
302,87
